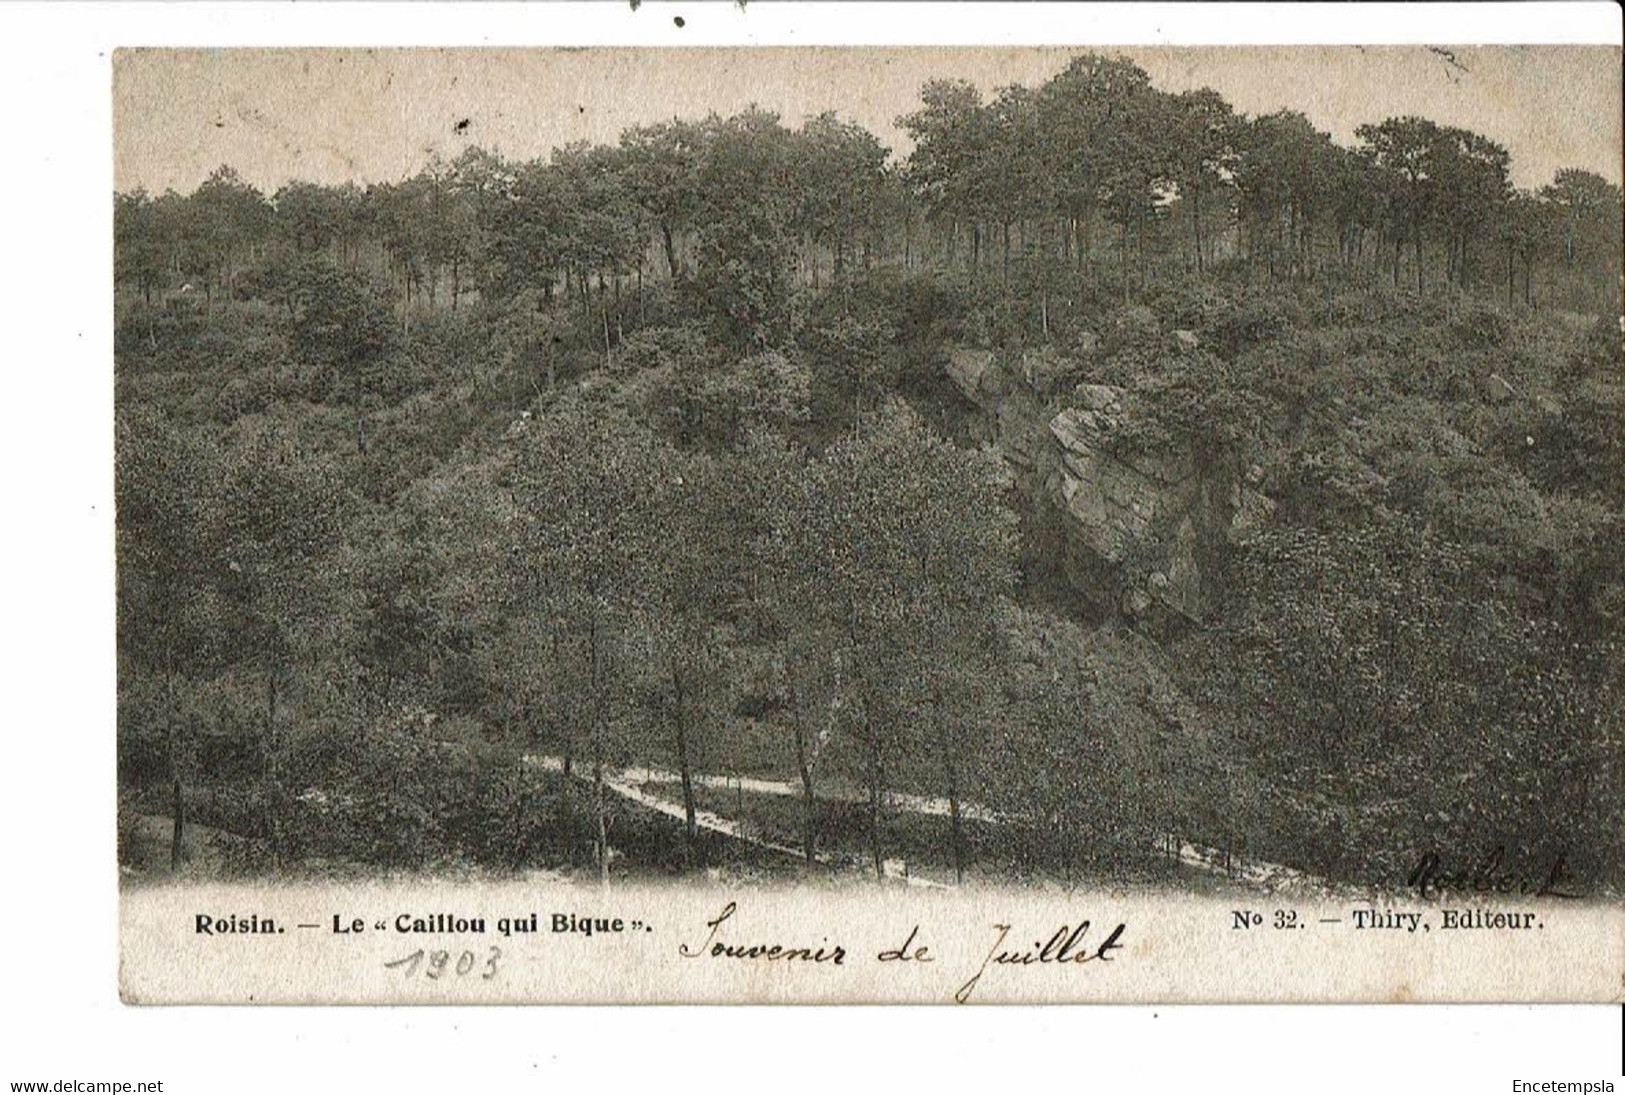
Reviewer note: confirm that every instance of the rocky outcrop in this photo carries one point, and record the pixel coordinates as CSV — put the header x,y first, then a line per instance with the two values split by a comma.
x,y
1012,411
1135,532
976,374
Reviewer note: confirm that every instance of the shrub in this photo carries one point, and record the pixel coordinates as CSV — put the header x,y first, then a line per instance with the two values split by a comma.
x,y
682,347
340,321
1257,321
1198,306
1482,326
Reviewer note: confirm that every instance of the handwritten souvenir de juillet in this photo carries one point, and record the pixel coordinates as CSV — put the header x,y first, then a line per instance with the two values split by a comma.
x,y
869,525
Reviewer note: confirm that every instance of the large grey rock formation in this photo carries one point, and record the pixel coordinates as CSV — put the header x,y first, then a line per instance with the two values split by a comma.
x,y
1137,532
976,374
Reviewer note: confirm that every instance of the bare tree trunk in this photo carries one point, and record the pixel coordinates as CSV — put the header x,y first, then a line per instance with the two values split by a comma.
x,y
956,822
671,251
809,818
1122,255
178,808
600,810
690,826
1419,278
177,841
519,811
1275,244
1294,259
272,790
1196,211
406,304
1139,235
598,755
1309,242
874,787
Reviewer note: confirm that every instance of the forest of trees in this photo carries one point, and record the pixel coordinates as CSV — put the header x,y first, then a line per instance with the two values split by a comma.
x,y
644,454
1095,168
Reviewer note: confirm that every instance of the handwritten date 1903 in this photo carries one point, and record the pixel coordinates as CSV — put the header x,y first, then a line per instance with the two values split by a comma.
x,y
435,964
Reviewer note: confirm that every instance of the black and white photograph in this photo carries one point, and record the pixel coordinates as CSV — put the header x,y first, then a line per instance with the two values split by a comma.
x,y
1034,468
662,544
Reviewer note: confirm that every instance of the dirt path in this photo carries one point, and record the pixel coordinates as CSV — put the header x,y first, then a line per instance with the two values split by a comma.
x,y
833,792
631,782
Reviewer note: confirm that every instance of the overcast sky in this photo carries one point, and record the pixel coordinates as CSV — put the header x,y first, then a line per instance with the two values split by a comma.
x,y
336,115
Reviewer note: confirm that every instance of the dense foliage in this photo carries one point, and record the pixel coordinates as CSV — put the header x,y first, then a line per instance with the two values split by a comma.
x,y
443,501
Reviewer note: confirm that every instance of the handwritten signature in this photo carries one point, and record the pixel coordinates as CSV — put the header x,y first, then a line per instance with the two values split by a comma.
x,y
1431,878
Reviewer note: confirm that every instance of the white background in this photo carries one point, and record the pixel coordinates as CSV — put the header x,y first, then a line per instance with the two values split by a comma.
x,y
57,878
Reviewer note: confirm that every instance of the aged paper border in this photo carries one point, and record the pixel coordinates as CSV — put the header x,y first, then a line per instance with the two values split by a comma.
x,y
504,942
63,932
1176,948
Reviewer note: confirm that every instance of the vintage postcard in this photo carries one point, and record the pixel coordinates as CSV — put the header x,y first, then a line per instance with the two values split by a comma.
x,y
870,525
